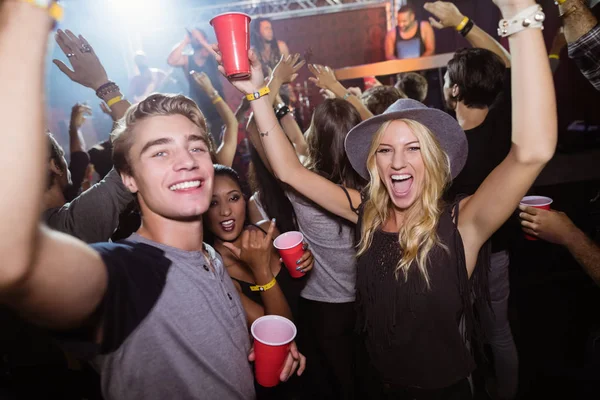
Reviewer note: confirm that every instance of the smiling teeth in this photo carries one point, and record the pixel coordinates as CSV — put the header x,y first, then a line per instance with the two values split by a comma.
x,y
185,185
227,224
401,177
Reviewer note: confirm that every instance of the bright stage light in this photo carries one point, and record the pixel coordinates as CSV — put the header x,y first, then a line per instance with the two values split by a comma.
x,y
138,12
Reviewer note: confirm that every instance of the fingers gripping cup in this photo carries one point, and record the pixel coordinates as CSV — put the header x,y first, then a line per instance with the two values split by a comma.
x,y
233,35
272,337
541,202
290,249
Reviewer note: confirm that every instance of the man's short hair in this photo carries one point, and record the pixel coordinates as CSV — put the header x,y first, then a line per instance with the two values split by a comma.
x,y
154,105
413,85
377,99
479,74
406,9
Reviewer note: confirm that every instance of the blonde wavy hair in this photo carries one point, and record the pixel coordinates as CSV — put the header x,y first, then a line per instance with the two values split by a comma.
x,y
418,234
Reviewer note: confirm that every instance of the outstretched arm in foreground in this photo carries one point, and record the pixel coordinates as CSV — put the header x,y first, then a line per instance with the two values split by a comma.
x,y
50,278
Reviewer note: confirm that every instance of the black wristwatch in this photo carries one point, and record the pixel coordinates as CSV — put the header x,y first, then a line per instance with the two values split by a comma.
x,y
282,111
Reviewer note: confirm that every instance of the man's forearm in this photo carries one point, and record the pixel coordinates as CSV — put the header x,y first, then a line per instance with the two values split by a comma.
x,y
578,19
478,38
586,252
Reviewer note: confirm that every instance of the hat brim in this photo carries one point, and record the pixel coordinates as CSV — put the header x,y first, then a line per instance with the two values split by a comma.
x,y
445,128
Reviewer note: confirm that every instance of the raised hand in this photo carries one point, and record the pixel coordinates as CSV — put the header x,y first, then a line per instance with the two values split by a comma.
x,y
287,68
87,68
256,250
204,81
254,82
324,77
447,14
78,114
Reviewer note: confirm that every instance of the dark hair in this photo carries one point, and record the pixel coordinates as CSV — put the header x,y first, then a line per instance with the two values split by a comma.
x,y
331,122
406,8
222,170
56,154
413,85
479,74
377,99
270,194
258,43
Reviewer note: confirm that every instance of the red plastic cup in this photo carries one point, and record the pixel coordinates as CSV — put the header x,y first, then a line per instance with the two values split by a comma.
x,y
537,202
233,35
290,249
369,81
272,337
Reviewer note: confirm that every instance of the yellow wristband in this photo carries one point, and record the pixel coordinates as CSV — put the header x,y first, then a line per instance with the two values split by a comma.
x,y
559,2
555,56
462,24
217,99
257,95
55,10
114,101
264,288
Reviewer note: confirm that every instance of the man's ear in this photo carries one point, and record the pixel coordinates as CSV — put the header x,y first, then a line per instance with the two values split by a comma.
x,y
455,91
129,182
54,168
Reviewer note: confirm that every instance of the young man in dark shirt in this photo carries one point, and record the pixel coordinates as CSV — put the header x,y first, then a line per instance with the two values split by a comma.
x,y
477,87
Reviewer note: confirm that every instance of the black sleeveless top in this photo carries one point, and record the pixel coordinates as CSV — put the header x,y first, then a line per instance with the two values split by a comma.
x,y
409,48
411,332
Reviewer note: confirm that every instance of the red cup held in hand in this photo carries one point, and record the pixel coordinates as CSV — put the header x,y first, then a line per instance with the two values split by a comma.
x,y
290,249
541,202
233,36
272,337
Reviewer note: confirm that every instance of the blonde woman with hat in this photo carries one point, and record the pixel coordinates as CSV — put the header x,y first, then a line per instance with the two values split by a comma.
x,y
417,255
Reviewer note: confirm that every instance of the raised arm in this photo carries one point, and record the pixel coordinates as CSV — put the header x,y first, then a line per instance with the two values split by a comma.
x,y
582,32
39,267
226,151
80,160
324,78
176,57
284,162
534,132
447,15
88,71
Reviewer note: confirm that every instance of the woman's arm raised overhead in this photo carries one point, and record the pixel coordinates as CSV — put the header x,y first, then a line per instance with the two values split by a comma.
x,y
281,155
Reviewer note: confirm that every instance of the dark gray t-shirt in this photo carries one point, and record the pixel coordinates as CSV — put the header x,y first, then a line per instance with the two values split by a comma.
x,y
331,240
92,216
173,325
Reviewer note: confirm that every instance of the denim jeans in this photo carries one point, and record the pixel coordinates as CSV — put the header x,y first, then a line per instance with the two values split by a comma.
x,y
506,361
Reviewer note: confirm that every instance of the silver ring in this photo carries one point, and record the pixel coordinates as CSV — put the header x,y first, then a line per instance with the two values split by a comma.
x,y
69,55
86,48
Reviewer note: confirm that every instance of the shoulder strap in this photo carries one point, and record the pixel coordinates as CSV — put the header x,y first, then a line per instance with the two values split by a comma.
x,y
354,209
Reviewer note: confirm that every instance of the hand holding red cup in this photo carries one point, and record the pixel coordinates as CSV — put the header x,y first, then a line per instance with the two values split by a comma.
x,y
291,249
233,36
272,338
540,202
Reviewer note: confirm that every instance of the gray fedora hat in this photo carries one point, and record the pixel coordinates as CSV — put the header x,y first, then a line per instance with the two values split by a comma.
x,y
445,128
